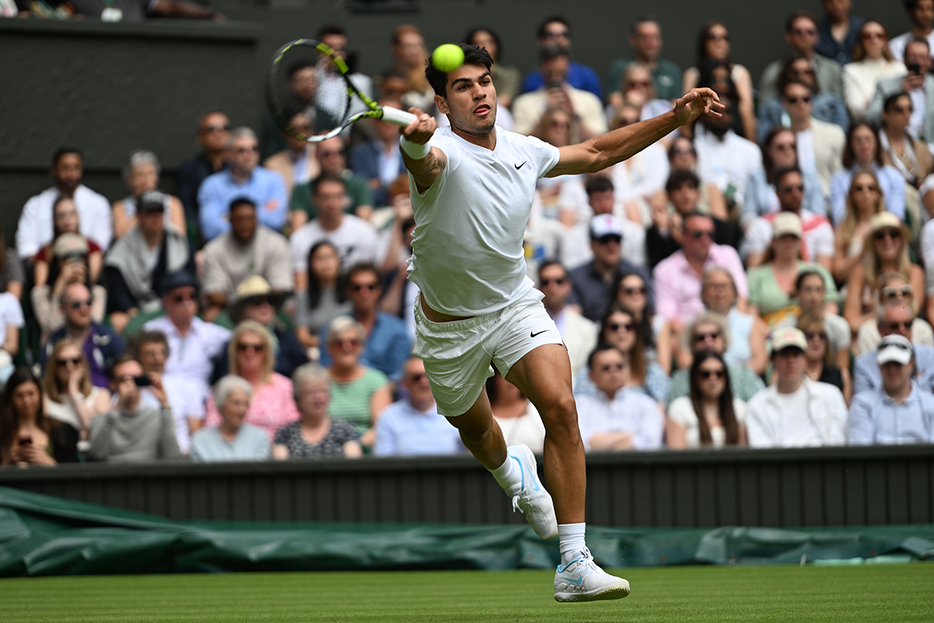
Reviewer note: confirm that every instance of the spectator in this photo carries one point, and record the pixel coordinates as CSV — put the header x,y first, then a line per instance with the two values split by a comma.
x,y
360,393
900,149
899,412
748,332
35,228
678,277
11,321
139,261
412,426
683,157
335,37
894,318
324,299
133,432
251,357
558,127
710,415
795,411
724,158
616,417
709,331
837,32
820,357
379,161
193,343
354,238
68,396
246,251
639,181
409,56
99,343
65,221
917,83
243,178
27,435
141,174
872,62
557,92
556,31
213,133
399,298
316,434
645,39
863,202
591,282
506,78
387,341
636,89
801,35
516,415
296,164
814,230
863,151
893,287
332,160
632,292
713,43
811,292
12,275
601,198
921,14
820,144
887,250
232,439
579,333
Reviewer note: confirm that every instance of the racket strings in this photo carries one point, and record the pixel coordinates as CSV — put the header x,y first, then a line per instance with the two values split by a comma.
x,y
309,96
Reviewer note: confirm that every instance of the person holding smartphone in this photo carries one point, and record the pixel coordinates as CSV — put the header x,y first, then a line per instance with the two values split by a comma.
x,y
27,435
917,83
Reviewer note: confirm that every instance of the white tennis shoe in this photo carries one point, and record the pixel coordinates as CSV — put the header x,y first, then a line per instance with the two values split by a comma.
x,y
529,495
582,580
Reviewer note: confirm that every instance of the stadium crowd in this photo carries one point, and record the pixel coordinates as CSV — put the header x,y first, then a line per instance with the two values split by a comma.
x,y
765,278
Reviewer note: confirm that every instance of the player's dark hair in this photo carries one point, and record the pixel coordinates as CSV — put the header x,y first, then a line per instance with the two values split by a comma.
x,y
598,185
889,103
540,33
241,201
330,29
61,151
473,55
468,39
324,178
314,286
724,401
681,178
798,15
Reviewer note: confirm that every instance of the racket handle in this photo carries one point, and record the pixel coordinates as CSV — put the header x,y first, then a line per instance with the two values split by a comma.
x,y
398,117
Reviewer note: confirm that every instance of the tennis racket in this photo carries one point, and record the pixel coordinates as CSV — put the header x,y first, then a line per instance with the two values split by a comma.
x,y
310,95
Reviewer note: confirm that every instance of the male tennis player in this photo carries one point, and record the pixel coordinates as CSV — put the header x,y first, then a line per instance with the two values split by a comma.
x,y
472,190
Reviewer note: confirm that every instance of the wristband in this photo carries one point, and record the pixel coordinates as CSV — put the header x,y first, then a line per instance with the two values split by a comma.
x,y
414,150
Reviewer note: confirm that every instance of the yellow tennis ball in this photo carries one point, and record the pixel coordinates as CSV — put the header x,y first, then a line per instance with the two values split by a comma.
x,y
447,57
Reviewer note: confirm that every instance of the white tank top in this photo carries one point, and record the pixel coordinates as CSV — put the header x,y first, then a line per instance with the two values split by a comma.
x,y
467,254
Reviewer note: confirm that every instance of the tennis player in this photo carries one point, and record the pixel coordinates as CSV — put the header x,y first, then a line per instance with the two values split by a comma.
x,y
472,189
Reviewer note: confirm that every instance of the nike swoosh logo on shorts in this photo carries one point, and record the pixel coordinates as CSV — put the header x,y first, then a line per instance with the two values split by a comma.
x,y
533,334
520,165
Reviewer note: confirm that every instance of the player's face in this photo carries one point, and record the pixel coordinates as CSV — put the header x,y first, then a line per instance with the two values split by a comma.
x,y
471,100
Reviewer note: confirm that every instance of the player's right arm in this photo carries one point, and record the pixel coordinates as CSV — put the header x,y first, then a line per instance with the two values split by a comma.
x,y
427,170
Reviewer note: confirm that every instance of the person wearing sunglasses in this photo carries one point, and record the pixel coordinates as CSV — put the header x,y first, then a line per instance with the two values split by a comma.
x,y
332,159
872,61
821,358
893,287
213,132
555,30
28,436
898,412
68,395
710,416
801,36
894,318
819,143
579,333
748,332
901,146
914,114
632,293
141,174
616,417
863,152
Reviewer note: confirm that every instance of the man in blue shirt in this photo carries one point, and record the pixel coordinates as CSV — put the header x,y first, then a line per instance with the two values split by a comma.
x,y
894,319
556,31
243,178
899,412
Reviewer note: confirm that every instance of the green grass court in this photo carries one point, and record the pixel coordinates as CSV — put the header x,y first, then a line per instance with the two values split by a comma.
x,y
698,594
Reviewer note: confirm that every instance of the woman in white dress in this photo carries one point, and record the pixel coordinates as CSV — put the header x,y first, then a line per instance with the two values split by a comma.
x,y
872,60
709,416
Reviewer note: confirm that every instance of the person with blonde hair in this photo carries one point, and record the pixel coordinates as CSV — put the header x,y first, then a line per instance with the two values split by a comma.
x,y
872,61
864,200
894,287
68,395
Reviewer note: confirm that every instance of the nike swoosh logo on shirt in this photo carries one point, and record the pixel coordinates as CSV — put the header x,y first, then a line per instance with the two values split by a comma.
x,y
532,334
520,165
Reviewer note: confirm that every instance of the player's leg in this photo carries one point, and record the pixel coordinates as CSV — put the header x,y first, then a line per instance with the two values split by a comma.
x,y
481,434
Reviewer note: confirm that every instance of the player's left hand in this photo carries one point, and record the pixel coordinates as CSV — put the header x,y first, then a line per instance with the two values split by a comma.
x,y
698,102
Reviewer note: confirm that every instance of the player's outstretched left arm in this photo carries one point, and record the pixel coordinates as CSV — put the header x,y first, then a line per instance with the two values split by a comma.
x,y
425,167
607,149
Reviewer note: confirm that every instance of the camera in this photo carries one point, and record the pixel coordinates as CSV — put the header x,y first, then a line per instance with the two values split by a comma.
x,y
142,381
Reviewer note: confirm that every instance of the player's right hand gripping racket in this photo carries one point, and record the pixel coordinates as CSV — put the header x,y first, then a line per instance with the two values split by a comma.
x,y
310,95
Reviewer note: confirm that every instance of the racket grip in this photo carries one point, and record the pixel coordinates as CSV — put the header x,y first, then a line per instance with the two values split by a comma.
x,y
398,117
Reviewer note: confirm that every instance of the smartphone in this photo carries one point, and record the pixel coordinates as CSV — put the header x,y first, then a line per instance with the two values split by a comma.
x,y
142,380
26,440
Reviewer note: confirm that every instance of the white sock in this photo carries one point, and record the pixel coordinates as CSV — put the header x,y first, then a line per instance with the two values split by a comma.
x,y
508,474
571,540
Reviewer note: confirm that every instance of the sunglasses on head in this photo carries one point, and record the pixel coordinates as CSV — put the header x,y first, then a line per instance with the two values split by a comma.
x,y
717,374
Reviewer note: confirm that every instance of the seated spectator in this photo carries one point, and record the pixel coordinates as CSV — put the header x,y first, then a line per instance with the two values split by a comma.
x,y
68,396
677,278
354,238
872,61
683,157
894,318
710,415
709,331
316,434
900,149
779,153
887,250
772,285
638,181
516,415
816,231
811,293
632,293
713,43
213,133
193,343
724,158
12,275
151,349
916,83
379,161
296,164
820,357
899,412
387,341
99,343
837,31
11,321
359,393
141,175
412,426
27,435
34,229
801,36
556,31
399,298
557,126
506,79
247,250
65,221
409,57
863,202
748,332
232,439
645,39
243,178
578,333
863,151
133,432
139,261
795,411
637,90
332,160
251,357
324,299
615,417
922,27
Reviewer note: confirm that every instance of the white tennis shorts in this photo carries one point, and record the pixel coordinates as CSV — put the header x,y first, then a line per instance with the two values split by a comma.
x,y
458,354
